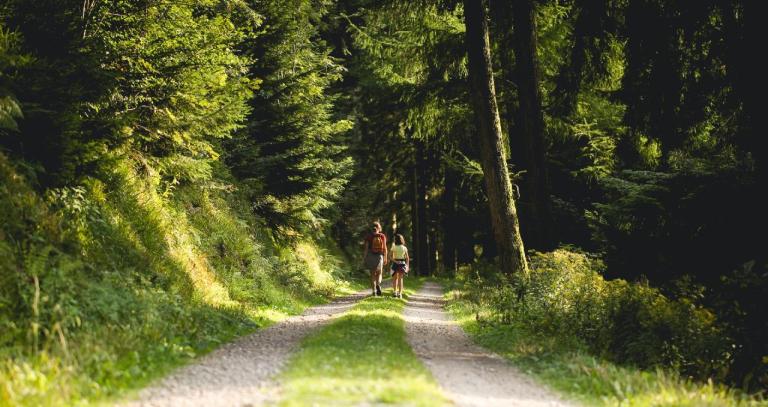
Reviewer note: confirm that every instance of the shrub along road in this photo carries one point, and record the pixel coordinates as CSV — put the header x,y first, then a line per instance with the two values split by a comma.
x,y
372,354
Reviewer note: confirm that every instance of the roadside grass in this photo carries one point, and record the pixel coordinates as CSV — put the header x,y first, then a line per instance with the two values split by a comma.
x,y
361,358
567,368
101,371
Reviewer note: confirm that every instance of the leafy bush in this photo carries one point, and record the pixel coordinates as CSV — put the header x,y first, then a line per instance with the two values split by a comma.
x,y
565,297
697,223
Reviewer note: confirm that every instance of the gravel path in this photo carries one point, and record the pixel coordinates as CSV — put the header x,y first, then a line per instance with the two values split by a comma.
x,y
469,375
240,373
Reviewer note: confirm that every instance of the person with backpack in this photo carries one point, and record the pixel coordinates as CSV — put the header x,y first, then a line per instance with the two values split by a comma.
x,y
400,264
375,256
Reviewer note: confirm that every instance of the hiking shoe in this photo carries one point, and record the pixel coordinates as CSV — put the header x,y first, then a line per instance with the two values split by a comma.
x,y
378,290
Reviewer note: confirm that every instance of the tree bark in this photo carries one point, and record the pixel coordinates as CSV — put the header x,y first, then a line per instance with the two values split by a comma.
x,y
528,147
415,249
424,252
448,218
420,251
495,172
568,81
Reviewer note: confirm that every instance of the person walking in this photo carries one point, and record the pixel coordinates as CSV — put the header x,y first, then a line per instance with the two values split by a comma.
x,y
400,263
375,256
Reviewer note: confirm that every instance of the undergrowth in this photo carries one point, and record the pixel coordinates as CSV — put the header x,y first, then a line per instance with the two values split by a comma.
x,y
599,341
108,285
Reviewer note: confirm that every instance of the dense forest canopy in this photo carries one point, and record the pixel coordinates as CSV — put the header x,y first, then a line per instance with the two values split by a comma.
x,y
486,132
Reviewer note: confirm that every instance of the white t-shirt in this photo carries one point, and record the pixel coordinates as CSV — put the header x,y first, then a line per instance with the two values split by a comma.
x,y
399,251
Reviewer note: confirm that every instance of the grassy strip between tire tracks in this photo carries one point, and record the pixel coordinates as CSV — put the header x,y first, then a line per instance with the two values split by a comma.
x,y
361,358
582,377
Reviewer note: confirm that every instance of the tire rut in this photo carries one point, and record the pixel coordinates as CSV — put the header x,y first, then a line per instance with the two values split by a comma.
x,y
468,374
241,373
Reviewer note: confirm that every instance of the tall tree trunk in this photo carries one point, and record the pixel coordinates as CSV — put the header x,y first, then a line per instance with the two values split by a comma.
x,y
448,217
416,251
419,223
495,172
396,209
433,242
587,26
748,79
528,149
433,170
424,253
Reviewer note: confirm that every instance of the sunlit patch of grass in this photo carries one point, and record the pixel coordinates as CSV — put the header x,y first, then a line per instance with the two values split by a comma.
x,y
361,358
310,255
567,368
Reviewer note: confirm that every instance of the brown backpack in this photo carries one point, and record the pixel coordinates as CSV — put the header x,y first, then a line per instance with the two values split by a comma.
x,y
377,243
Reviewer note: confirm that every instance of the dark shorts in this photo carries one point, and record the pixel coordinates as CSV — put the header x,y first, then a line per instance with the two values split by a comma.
x,y
374,261
398,267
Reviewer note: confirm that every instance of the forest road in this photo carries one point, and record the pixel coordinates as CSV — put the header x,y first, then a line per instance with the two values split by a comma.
x,y
241,373
468,374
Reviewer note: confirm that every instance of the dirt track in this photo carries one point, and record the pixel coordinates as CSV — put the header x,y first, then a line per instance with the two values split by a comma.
x,y
468,374
240,373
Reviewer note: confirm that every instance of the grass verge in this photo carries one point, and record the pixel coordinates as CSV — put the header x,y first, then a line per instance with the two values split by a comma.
x,y
568,369
361,358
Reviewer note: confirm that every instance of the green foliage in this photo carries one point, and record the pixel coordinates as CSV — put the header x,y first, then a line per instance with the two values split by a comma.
x,y
586,143
157,77
292,155
567,367
177,82
138,250
566,297
741,303
554,34
32,266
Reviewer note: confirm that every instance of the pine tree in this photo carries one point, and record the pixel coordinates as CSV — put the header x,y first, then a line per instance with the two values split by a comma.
x,y
160,79
292,155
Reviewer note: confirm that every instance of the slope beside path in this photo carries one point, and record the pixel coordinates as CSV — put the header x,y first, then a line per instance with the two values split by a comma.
x,y
468,374
240,373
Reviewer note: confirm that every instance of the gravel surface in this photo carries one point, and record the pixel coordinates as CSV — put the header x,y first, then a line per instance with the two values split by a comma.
x,y
468,374
240,373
